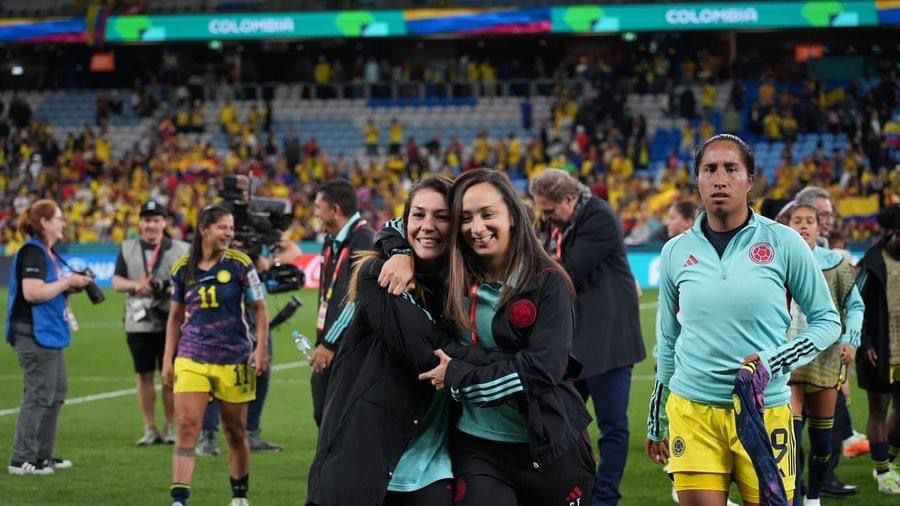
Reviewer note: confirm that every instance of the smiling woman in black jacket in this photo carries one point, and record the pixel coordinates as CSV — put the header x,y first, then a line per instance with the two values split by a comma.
x,y
383,439
520,439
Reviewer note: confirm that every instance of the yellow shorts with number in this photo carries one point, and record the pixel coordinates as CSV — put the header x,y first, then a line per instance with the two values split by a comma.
x,y
228,382
706,454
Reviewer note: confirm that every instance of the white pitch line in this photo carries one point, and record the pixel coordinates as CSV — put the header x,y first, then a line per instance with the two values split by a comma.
x,y
132,391
279,367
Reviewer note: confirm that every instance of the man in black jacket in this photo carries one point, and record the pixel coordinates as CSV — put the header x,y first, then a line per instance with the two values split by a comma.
x,y
584,234
878,361
336,208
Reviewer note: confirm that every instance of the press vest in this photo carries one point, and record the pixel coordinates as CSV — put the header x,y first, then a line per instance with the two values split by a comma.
x,y
132,252
51,329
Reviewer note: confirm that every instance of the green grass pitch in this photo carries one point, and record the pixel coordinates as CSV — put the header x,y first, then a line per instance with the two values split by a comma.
x,y
98,434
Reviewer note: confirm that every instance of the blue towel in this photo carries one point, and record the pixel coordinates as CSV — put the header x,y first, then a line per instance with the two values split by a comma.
x,y
749,402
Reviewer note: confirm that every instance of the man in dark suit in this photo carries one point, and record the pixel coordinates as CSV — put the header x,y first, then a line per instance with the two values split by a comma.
x,y
584,234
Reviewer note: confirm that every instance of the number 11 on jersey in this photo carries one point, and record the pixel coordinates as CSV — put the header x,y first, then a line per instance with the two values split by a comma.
x,y
208,297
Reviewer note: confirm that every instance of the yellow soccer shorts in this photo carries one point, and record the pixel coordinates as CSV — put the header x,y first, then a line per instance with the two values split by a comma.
x,y
706,454
227,382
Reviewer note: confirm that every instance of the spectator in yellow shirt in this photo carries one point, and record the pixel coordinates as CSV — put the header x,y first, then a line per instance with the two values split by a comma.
x,y
789,127
772,126
488,79
227,116
102,150
198,117
370,134
622,166
395,136
322,73
708,99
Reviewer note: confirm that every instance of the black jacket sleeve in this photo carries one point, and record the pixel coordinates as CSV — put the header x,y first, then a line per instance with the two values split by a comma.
x,y
406,329
391,239
597,235
361,240
868,285
536,368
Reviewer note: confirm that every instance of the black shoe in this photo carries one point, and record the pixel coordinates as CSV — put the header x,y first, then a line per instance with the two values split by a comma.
x,y
835,488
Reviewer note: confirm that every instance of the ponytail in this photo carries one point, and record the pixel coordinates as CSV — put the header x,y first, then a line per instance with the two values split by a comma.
x,y
29,222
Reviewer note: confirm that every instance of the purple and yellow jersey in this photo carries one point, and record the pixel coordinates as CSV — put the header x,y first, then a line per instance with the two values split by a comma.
x,y
215,330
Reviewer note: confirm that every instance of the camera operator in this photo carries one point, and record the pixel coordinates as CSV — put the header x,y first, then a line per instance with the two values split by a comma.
x,y
143,271
38,326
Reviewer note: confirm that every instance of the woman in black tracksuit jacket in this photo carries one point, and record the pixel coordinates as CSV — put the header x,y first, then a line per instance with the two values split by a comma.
x,y
383,438
520,437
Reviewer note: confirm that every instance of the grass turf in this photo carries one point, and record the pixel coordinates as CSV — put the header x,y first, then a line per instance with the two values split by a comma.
x,y
99,435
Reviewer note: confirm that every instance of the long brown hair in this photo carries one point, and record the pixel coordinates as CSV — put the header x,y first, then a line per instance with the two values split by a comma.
x,y
526,258
29,221
438,184
208,216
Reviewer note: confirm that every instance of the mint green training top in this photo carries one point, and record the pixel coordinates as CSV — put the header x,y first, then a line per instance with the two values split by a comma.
x,y
715,311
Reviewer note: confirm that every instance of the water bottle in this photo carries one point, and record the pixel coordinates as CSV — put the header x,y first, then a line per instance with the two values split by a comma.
x,y
302,343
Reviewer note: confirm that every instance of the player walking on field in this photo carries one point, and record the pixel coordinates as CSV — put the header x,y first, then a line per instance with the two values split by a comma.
x,y
723,302
208,348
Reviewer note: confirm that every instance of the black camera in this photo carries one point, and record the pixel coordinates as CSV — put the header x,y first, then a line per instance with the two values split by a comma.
x,y
159,286
94,293
260,222
283,278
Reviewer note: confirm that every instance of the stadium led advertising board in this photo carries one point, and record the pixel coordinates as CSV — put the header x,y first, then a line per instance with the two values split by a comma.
x,y
713,16
581,19
269,25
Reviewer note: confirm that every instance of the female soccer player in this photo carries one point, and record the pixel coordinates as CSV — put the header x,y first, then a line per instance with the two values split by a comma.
x,y
680,217
520,439
814,387
378,415
722,302
209,352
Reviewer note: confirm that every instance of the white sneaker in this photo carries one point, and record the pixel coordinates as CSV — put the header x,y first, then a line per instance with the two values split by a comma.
x,y
169,435
811,502
29,469
888,483
57,463
151,437
240,501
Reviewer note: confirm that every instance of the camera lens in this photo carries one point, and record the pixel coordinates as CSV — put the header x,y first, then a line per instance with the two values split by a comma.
x,y
94,293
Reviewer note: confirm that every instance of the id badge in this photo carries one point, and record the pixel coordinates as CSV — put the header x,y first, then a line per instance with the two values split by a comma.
x,y
70,317
139,315
139,311
320,321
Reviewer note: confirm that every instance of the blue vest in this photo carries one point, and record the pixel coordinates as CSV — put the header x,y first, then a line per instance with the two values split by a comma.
x,y
51,330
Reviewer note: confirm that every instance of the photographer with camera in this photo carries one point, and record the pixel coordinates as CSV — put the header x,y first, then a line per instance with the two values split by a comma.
x,y
143,271
39,324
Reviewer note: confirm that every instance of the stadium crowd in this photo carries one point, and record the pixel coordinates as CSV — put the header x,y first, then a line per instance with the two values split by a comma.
x,y
592,135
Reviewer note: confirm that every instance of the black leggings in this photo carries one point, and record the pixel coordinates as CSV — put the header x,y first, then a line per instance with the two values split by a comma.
x,y
503,474
439,493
